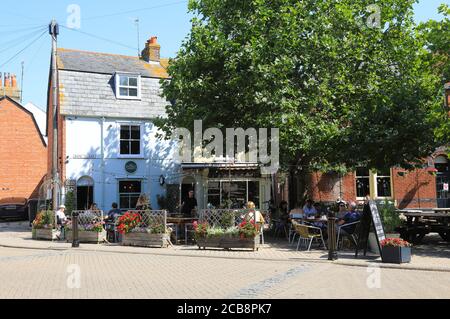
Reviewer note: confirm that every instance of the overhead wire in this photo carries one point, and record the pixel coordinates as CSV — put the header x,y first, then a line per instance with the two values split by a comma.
x,y
22,50
134,10
100,38
12,43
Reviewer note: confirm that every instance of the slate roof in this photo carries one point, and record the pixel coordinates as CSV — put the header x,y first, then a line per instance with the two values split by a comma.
x,y
105,63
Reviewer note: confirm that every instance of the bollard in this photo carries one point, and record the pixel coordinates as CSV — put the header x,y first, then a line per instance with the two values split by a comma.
x,y
75,241
332,252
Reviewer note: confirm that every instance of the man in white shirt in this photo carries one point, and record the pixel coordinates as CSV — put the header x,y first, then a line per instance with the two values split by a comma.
x,y
61,221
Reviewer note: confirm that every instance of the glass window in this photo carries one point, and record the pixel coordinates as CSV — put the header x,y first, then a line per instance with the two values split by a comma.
x,y
130,140
214,194
253,193
129,192
362,182
128,86
384,183
234,194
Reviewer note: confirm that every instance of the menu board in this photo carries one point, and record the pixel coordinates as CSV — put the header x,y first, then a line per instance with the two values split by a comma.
x,y
377,223
370,216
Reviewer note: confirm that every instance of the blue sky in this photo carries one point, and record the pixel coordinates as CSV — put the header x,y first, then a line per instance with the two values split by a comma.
x,y
23,21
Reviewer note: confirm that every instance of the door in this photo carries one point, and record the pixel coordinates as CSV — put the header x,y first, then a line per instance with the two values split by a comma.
x,y
85,193
442,182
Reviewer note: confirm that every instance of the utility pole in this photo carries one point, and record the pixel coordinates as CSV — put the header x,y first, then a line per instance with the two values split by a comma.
x,y
54,31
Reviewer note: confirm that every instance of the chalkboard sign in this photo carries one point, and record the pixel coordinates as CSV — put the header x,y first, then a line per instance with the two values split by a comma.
x,y
370,216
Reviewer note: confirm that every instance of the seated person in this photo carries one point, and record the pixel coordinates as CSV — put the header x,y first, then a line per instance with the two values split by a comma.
x,y
342,209
254,214
297,212
114,213
309,210
350,217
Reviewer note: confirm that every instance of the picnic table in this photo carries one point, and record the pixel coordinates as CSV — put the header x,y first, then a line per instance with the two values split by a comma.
x,y
421,223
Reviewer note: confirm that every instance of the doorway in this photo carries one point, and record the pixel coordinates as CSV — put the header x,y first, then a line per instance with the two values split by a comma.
x,y
442,182
85,193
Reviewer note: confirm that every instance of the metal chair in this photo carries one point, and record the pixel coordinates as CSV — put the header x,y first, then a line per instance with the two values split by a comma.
x,y
352,236
305,234
174,228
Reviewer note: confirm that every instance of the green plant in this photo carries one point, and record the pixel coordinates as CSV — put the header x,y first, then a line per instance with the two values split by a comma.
x,y
200,230
248,229
227,219
157,229
69,203
231,232
215,232
389,216
44,220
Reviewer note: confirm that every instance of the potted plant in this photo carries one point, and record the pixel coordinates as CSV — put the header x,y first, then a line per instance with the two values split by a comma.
x,y
91,231
391,221
396,251
143,229
43,226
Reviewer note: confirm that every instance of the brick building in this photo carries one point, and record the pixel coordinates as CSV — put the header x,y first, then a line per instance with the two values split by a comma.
x,y
422,188
23,150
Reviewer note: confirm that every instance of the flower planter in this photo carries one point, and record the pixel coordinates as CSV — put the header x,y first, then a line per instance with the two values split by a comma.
x,y
396,255
146,240
373,245
87,236
229,242
44,234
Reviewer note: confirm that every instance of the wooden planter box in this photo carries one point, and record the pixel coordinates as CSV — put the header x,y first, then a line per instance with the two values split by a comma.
x,y
146,240
396,255
229,243
44,234
87,236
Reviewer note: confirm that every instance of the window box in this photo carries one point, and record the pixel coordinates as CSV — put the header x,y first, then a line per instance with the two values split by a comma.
x,y
227,242
146,240
396,255
44,234
87,236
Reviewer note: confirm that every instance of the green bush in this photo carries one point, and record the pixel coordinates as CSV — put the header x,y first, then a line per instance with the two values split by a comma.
x,y
389,216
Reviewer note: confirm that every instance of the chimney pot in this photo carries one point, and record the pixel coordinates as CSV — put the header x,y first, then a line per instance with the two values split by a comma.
x,y
153,40
152,50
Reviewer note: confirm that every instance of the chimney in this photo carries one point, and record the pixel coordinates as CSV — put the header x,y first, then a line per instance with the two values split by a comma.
x,y
7,81
152,50
10,87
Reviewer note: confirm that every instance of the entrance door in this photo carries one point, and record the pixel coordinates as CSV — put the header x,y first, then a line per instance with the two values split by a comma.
x,y
442,182
85,193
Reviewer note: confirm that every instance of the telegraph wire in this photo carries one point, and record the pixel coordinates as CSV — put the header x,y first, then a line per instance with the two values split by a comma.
x,y
25,48
100,38
10,44
23,29
134,10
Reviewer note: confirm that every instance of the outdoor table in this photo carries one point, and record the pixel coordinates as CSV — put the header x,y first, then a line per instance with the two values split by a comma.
x,y
420,223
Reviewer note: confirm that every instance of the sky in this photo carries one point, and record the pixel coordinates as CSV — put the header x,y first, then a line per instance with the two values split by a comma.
x,y
105,26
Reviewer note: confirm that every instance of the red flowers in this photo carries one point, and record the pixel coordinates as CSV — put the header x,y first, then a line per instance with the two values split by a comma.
x,y
394,242
248,229
128,222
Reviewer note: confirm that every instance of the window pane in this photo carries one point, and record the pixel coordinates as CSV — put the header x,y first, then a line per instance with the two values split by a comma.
x,y
362,172
362,187
234,193
214,194
124,147
124,80
384,172
124,202
133,82
124,132
253,193
133,200
135,148
135,132
384,187
133,92
123,92
127,187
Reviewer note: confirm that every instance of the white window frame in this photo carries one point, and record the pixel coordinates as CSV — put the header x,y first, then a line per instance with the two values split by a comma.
x,y
130,194
373,185
141,141
356,183
119,86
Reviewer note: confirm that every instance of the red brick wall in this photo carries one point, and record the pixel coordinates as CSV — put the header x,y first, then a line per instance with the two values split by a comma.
x,y
23,155
416,189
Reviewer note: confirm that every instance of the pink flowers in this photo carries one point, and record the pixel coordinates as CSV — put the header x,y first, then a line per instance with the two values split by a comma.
x,y
394,242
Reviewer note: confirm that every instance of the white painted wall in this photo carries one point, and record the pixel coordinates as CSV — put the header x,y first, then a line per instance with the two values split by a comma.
x,y
90,155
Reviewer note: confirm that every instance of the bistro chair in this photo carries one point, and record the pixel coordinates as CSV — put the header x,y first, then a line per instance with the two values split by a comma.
x,y
307,234
174,228
340,237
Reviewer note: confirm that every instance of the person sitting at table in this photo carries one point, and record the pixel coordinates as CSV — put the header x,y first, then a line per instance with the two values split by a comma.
x,y
254,214
297,212
114,212
309,210
350,217
342,209
143,203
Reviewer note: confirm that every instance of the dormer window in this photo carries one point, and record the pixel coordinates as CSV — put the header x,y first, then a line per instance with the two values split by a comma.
x,y
128,86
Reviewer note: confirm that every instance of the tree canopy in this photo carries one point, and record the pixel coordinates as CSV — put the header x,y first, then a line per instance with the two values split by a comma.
x,y
345,86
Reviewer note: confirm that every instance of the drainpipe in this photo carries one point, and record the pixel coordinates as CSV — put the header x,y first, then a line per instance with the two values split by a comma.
x,y
102,165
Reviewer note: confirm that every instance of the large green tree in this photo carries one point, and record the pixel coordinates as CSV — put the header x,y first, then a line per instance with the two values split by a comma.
x,y
342,91
437,37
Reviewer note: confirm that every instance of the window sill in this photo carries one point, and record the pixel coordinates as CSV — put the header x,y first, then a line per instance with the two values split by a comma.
x,y
128,98
130,157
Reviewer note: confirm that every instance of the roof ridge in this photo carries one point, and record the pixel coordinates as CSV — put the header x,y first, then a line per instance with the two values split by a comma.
x,y
104,53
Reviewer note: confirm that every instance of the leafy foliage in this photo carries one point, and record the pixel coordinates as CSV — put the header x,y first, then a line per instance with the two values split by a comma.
x,y
343,94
